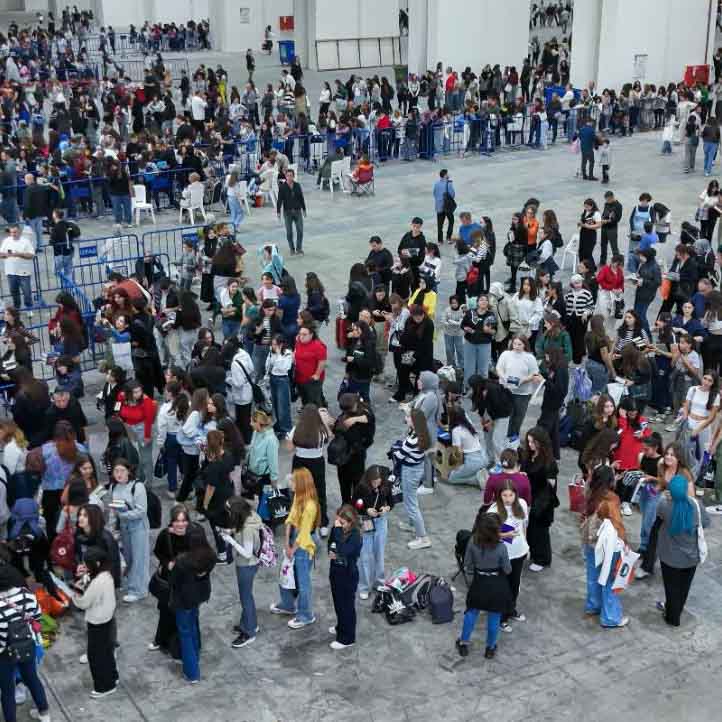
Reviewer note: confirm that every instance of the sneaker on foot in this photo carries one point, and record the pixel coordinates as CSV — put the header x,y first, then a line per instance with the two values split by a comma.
x,y
242,640
42,716
324,532
83,659
274,609
423,490
714,510
518,617
337,645
419,543
660,607
623,623
462,648
153,647
639,573
296,623
699,492
332,630
626,508
363,595
489,652
21,694
505,627
131,598
100,695
536,568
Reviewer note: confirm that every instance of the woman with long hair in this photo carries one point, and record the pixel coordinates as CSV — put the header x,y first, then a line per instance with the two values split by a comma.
x,y
31,401
300,549
465,438
700,410
513,513
218,487
556,387
138,412
344,548
129,502
309,438
539,465
630,331
245,529
603,539
190,584
487,561
636,371
632,429
190,437
681,519
98,602
410,456
598,345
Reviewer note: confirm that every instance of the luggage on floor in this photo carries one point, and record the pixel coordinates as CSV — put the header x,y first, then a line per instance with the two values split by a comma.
x,y
342,328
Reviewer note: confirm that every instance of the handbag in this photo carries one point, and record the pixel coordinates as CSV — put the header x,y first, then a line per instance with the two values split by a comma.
x,y
278,506
624,572
397,494
259,398
161,464
159,585
408,358
62,550
449,204
489,591
286,575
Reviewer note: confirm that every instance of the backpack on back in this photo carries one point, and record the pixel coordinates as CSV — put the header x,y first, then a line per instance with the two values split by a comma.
x,y
581,385
20,636
441,602
25,519
266,554
154,509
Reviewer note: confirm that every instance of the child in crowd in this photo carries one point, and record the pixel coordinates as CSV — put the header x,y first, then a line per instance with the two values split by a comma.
x,y
69,377
668,136
187,266
120,345
268,290
605,159
278,363
432,264
453,334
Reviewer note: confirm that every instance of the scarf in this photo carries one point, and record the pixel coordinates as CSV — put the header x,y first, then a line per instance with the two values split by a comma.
x,y
682,521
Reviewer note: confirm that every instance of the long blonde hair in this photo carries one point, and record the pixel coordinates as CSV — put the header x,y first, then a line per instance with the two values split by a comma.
x,y
9,429
305,492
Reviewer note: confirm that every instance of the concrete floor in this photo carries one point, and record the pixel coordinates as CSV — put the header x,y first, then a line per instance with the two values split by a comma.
x,y
558,665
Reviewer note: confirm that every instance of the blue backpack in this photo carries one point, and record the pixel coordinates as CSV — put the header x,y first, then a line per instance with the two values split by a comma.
x,y
25,519
581,384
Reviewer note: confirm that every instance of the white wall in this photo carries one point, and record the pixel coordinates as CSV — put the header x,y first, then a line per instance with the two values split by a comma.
x,y
476,32
585,46
229,35
122,13
358,19
672,34
272,10
418,35
177,11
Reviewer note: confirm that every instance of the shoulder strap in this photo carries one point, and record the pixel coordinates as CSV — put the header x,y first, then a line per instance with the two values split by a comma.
x,y
245,373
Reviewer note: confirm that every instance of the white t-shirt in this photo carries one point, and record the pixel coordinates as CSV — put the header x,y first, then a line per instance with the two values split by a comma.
x,y
697,401
18,266
518,546
465,440
512,367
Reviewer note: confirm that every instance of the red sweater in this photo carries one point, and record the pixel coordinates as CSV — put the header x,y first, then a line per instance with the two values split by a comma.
x,y
144,413
630,446
610,280
306,358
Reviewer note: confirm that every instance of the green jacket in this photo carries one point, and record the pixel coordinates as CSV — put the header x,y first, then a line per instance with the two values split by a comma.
x,y
263,454
562,341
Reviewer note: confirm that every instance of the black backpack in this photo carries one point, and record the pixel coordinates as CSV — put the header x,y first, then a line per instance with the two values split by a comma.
x,y
325,310
441,602
155,508
338,451
557,240
20,639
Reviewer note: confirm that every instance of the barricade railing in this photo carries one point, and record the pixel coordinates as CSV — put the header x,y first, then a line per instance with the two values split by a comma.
x,y
124,44
169,241
135,69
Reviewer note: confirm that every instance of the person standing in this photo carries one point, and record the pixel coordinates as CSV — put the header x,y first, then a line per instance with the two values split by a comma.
x,y
98,602
611,215
250,64
710,143
691,131
590,221
19,254
36,206
518,371
344,548
587,139
293,205
444,204
678,546
579,304
62,235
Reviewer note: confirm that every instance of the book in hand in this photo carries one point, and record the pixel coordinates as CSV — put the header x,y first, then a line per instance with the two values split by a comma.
x,y
504,529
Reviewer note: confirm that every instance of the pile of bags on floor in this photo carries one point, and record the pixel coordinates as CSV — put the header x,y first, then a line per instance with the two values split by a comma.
x,y
405,593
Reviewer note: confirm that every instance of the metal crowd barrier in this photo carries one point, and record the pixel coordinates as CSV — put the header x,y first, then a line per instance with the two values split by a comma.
x,y
135,69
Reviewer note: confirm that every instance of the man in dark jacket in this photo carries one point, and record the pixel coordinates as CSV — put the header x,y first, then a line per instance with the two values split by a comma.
x,y
611,215
62,235
649,277
413,244
36,206
587,138
65,408
380,259
293,205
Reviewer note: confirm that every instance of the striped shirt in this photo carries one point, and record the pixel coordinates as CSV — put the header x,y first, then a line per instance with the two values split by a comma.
x,y
15,603
579,302
410,454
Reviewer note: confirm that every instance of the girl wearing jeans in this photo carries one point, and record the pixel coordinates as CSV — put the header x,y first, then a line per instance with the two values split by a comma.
x,y
301,524
603,539
487,560
373,502
410,455
278,364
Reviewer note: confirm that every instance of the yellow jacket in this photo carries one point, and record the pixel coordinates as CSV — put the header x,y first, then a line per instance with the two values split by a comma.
x,y
429,303
304,520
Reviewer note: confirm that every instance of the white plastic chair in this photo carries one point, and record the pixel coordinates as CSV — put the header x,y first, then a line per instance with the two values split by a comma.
x,y
139,203
336,175
571,249
346,173
193,202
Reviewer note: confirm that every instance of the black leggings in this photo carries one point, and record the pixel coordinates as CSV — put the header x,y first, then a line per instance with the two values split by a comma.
x,y
514,583
189,467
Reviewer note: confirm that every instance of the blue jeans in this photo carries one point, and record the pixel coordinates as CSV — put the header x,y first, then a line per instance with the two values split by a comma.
x,y
454,350
601,599
493,622
134,534
303,603
291,217
362,388
29,675
281,400
230,327
710,149
259,356
474,462
64,265
189,634
371,561
9,210
37,225
641,309
121,209
598,375
18,284
648,500
245,577
477,357
411,477
172,457
236,210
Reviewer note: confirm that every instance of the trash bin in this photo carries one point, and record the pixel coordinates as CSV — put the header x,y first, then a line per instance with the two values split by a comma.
x,y
286,51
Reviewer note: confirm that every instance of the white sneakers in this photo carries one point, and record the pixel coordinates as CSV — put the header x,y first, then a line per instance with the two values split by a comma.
x,y
296,623
626,508
131,598
324,532
42,716
536,568
100,695
714,510
363,595
83,659
274,609
424,490
419,543
337,645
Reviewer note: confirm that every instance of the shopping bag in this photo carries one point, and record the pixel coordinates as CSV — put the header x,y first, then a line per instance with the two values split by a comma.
x,y
122,355
624,572
577,487
286,576
161,465
616,390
